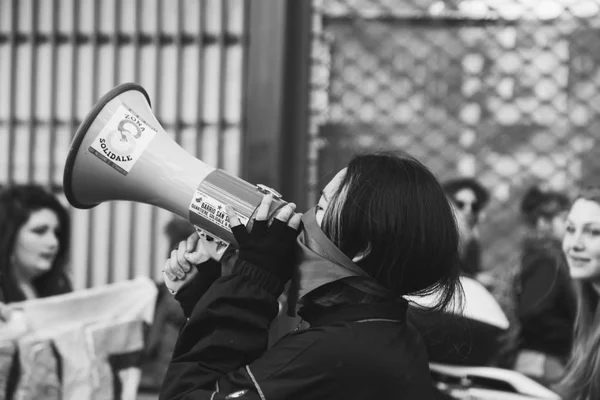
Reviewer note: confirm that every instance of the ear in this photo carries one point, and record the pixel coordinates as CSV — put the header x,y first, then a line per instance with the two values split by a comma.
x,y
362,254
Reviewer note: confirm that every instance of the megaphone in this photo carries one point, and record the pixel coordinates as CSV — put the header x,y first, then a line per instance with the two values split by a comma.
x,y
121,152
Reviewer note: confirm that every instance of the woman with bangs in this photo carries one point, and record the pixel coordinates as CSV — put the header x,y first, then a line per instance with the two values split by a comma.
x,y
34,244
383,229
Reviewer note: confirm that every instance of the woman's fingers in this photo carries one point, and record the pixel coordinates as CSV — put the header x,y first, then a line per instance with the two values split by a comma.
x,y
167,270
286,212
295,221
175,285
178,267
191,242
233,218
202,252
262,213
174,266
182,261
285,217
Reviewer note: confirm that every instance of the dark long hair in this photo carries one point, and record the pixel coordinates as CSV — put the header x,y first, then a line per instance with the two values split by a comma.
x,y
393,204
582,379
17,203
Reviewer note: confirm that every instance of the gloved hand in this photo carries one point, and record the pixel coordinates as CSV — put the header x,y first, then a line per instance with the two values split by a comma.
x,y
270,248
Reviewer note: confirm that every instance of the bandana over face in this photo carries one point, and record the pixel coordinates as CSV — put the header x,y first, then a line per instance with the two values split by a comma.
x,y
320,262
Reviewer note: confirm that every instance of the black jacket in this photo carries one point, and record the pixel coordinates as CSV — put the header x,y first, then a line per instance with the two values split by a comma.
x,y
547,303
361,351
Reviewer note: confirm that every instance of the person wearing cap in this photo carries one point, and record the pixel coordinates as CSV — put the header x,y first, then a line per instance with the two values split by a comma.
x,y
544,212
469,198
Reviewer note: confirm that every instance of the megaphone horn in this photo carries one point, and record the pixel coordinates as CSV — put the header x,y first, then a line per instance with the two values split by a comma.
x,y
121,152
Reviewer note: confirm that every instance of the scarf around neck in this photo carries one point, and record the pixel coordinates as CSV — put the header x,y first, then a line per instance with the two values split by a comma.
x,y
319,262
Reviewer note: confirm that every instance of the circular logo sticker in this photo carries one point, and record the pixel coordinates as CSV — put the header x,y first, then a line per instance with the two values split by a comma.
x,y
122,141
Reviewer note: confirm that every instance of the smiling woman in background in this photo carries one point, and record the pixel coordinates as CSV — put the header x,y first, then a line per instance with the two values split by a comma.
x,y
581,245
34,239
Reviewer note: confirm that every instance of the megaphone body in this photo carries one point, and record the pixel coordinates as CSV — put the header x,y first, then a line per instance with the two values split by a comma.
x,y
121,152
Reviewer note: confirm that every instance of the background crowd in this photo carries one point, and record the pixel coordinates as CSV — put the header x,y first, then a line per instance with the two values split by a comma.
x,y
497,98
549,293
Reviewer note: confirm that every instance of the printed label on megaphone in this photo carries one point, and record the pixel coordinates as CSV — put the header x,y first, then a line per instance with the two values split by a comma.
x,y
122,140
212,210
207,207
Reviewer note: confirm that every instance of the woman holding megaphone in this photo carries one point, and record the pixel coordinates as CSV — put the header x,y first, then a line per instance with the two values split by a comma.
x,y
383,229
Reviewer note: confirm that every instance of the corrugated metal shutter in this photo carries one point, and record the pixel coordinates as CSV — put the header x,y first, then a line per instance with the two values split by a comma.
x,y
58,57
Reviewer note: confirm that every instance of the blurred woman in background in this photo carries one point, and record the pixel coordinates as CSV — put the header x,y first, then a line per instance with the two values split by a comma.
x,y
581,246
34,243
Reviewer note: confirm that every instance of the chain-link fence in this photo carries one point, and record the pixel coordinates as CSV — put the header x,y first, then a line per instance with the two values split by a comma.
x,y
505,91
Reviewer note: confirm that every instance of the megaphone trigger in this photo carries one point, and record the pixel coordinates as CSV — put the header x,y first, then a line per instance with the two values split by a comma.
x,y
206,236
216,247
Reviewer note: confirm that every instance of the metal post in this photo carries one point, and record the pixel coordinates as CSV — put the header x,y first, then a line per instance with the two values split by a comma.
x,y
276,109
276,104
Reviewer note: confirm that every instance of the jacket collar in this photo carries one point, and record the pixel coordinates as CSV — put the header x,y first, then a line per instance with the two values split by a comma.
x,y
319,316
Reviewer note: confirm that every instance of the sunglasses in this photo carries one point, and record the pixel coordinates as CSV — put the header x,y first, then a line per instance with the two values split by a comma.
x,y
462,205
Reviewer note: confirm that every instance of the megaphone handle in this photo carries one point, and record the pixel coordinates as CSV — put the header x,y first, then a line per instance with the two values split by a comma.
x,y
220,246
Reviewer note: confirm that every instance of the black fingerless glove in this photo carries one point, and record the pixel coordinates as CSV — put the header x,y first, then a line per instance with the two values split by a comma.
x,y
268,248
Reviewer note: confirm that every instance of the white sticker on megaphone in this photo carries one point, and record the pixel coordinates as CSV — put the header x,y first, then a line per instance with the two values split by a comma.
x,y
122,140
213,210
